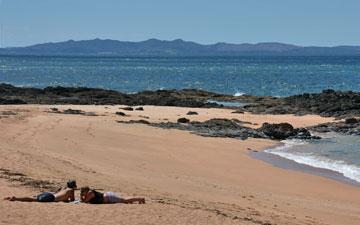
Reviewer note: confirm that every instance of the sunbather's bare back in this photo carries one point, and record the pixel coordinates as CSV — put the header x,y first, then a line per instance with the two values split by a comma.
x,y
65,195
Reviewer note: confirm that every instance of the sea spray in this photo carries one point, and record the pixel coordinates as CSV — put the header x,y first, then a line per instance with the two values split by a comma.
x,y
238,93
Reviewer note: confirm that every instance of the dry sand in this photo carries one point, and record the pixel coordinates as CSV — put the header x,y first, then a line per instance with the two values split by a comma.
x,y
186,179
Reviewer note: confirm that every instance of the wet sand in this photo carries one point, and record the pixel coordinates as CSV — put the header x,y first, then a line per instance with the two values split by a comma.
x,y
186,179
292,165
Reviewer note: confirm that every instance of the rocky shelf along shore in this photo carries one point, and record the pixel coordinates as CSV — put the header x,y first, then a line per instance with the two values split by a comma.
x,y
329,103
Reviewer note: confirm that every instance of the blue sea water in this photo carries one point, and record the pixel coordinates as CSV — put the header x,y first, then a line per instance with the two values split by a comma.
x,y
340,153
276,76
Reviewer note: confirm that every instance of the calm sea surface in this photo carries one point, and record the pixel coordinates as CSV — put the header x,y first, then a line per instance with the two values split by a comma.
x,y
277,76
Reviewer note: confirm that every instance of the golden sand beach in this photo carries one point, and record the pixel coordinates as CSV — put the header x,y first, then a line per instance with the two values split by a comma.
x,y
185,178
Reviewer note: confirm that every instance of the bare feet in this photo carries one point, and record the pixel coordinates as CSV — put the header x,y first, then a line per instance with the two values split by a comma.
x,y
10,198
142,201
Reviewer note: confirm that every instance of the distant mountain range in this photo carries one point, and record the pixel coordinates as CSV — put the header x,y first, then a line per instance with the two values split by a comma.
x,y
154,47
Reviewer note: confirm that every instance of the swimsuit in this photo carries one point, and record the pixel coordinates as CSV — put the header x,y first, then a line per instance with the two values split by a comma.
x,y
98,198
45,197
111,197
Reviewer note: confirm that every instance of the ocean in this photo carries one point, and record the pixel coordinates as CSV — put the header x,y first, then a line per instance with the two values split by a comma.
x,y
276,76
334,152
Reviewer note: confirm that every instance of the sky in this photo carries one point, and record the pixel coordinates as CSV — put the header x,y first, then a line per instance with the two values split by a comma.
x,y
300,22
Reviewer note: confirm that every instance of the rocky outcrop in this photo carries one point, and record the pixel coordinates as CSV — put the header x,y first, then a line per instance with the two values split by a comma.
x,y
328,103
284,131
93,96
215,128
350,126
234,129
11,101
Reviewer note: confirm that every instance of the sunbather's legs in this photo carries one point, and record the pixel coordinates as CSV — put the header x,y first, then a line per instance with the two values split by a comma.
x,y
21,199
132,200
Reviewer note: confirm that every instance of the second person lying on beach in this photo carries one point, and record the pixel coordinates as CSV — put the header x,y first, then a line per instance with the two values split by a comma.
x,y
91,196
63,195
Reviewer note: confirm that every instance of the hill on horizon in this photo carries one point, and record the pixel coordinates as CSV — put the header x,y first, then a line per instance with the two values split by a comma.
x,y
178,47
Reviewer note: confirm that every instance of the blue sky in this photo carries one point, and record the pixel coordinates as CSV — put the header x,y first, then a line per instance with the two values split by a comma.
x,y
302,22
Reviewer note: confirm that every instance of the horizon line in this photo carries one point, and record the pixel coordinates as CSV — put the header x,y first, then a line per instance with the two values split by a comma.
x,y
180,39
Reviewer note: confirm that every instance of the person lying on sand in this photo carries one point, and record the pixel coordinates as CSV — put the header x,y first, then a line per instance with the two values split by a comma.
x,y
64,195
91,196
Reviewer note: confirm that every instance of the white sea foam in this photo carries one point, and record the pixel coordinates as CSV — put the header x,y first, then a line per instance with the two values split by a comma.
x,y
238,93
310,159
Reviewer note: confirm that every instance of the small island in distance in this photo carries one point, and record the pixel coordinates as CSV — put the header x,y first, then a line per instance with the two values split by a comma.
x,y
178,47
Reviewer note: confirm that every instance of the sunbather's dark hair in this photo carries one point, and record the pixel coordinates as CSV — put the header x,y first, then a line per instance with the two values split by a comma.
x,y
84,189
71,184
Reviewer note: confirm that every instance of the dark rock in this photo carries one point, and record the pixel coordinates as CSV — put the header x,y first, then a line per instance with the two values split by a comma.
x,y
139,109
350,126
351,120
328,103
192,113
231,129
215,128
120,114
278,131
283,131
127,108
183,120
303,133
54,109
12,101
135,122
73,111
93,96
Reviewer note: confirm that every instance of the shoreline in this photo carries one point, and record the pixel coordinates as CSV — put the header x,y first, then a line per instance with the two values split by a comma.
x,y
289,164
